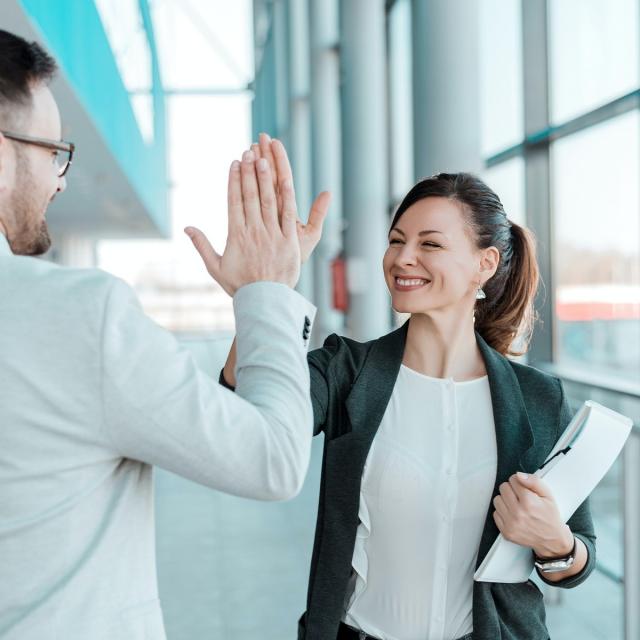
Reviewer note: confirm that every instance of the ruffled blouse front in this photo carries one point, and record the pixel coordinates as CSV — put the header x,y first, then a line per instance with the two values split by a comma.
x,y
425,493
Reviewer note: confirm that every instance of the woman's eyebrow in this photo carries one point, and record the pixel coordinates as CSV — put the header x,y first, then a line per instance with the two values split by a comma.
x,y
421,233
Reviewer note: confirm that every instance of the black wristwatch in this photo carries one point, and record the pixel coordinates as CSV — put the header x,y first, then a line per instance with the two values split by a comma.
x,y
556,565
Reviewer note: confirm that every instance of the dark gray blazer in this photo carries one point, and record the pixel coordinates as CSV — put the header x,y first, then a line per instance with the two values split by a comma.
x,y
351,384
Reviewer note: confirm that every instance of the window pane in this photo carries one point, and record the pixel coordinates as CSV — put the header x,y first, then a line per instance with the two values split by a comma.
x,y
593,54
507,180
596,252
128,39
500,74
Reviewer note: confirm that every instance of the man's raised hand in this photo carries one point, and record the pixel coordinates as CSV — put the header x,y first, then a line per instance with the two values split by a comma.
x,y
262,242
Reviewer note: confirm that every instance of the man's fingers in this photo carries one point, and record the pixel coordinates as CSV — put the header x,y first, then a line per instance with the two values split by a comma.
x,y
268,204
250,193
289,215
208,254
234,198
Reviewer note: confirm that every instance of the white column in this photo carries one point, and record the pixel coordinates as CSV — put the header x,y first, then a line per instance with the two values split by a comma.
x,y
326,153
73,251
300,120
446,103
365,175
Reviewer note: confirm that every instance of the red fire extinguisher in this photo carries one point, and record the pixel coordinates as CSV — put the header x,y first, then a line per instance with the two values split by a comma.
x,y
339,283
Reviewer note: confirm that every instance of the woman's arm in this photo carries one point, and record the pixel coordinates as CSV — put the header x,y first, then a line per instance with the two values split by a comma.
x,y
318,361
527,514
580,562
228,375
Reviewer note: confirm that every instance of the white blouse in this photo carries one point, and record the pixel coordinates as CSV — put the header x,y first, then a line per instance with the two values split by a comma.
x,y
425,493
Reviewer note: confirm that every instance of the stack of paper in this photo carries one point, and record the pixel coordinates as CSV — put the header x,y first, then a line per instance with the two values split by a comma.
x,y
579,460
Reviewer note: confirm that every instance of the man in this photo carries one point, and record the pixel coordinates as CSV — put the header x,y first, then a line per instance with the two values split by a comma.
x,y
92,392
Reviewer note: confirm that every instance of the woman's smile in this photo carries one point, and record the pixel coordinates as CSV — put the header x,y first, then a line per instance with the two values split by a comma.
x,y
409,284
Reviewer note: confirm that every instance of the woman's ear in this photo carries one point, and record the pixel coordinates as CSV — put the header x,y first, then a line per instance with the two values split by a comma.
x,y
489,260
4,177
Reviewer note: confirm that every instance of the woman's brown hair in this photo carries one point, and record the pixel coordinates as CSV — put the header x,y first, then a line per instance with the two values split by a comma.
x,y
507,312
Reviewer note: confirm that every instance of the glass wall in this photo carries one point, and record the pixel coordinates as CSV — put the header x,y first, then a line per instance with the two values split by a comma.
x,y
597,247
580,156
128,39
501,74
593,54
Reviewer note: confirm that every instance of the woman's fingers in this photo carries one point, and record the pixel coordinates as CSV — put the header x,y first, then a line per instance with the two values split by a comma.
x,y
267,153
283,168
509,496
318,213
289,214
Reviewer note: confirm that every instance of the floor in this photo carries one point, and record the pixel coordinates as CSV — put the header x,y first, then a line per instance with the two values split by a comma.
x,y
235,569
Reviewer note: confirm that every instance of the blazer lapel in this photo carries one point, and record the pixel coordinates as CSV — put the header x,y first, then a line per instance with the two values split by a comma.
x,y
371,391
514,435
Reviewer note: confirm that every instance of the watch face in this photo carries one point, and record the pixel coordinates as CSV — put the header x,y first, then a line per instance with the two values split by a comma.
x,y
555,566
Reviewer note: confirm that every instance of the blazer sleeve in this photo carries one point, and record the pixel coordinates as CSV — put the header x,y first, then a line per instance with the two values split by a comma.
x,y
320,374
159,407
581,522
319,362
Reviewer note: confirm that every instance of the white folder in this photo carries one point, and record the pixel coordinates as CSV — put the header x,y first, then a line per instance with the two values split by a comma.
x,y
582,456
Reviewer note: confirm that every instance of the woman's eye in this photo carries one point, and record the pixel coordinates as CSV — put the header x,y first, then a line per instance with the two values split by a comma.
x,y
394,241
431,244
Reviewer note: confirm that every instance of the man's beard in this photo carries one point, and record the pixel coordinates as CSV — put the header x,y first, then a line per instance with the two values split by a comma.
x,y
31,235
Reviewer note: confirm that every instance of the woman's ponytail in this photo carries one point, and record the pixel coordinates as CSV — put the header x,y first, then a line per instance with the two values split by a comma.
x,y
505,319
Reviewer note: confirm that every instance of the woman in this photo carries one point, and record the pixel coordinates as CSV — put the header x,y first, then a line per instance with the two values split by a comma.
x,y
430,434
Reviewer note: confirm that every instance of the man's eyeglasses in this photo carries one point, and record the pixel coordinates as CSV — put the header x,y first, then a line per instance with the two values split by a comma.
x,y
64,150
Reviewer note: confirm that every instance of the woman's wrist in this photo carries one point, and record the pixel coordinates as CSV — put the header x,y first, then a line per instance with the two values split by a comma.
x,y
229,366
561,547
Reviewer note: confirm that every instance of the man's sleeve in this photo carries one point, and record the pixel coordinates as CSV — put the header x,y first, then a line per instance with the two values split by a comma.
x,y
160,408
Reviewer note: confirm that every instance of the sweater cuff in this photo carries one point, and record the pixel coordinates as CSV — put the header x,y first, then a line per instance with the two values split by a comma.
x,y
579,578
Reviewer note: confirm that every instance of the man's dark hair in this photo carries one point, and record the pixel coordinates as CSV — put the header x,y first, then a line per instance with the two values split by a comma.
x,y
22,66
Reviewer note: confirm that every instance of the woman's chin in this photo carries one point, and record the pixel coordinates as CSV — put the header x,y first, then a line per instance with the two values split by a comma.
x,y
406,308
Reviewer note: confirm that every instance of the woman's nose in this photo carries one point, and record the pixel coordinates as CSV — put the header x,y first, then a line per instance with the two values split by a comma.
x,y
406,256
